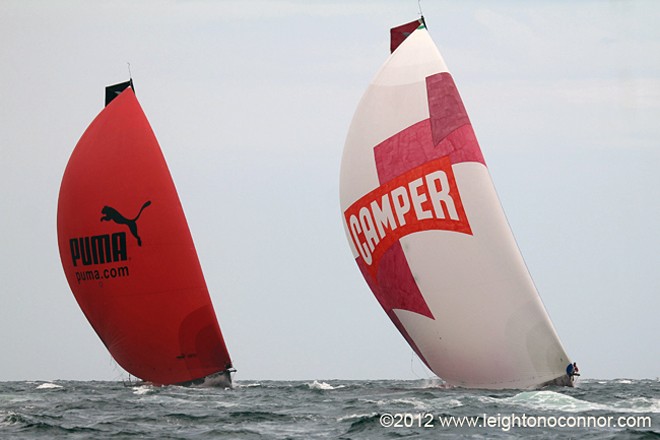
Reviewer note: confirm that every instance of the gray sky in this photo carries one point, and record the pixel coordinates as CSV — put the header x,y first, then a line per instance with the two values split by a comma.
x,y
251,102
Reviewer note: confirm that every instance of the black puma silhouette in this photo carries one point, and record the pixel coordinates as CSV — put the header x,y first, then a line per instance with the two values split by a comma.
x,y
110,213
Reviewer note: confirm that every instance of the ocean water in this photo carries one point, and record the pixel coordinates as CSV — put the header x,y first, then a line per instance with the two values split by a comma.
x,y
333,409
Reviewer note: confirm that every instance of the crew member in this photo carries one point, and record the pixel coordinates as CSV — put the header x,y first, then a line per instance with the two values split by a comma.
x,y
572,370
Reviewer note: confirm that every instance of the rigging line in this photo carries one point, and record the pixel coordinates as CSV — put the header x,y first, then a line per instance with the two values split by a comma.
x,y
412,368
130,76
419,6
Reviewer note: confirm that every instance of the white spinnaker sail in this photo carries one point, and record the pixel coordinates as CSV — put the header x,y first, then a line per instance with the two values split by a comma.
x,y
427,230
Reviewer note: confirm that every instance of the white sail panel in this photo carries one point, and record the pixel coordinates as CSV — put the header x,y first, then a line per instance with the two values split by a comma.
x,y
395,100
488,315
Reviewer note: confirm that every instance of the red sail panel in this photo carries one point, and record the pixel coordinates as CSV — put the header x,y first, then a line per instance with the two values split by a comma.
x,y
400,33
128,254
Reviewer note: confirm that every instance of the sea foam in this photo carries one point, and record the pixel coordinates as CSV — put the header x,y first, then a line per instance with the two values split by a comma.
x,y
48,386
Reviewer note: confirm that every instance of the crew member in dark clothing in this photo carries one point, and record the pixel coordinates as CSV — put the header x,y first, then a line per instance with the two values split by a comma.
x,y
572,370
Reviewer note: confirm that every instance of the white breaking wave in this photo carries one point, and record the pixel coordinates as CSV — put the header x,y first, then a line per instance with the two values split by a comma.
x,y
247,385
316,385
436,382
411,402
551,400
356,417
7,418
637,405
142,389
48,386
455,403
415,403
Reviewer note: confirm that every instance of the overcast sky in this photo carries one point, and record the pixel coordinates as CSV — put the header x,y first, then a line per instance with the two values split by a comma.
x,y
251,102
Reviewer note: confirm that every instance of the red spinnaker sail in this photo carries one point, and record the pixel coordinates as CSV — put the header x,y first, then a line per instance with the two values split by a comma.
x,y
128,254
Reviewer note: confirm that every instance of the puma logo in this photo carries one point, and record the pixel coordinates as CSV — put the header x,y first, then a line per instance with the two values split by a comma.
x,y
110,213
